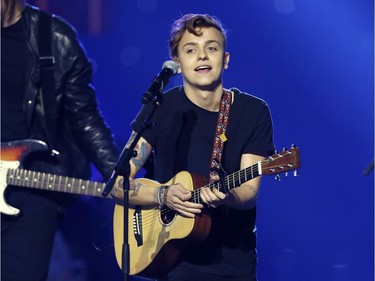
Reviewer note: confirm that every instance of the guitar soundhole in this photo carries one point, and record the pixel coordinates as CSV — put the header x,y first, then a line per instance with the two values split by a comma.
x,y
167,215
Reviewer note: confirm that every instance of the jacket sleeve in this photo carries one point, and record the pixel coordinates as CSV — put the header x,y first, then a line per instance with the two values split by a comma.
x,y
79,101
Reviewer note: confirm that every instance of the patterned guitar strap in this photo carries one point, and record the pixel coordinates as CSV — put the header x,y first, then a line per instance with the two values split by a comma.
x,y
220,137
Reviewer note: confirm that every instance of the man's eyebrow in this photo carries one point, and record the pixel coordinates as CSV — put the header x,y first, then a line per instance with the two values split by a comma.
x,y
213,41
206,43
189,44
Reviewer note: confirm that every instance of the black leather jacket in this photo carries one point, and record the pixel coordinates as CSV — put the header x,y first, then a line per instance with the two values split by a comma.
x,y
82,132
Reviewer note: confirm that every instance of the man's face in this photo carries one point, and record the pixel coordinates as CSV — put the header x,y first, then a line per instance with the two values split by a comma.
x,y
202,58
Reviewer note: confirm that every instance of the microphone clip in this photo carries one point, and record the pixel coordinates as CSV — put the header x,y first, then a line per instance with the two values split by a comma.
x,y
169,68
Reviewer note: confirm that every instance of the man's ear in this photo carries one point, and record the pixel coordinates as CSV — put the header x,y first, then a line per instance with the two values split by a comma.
x,y
176,60
226,60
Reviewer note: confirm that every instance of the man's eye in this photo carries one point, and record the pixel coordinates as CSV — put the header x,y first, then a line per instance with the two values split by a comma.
x,y
189,51
212,48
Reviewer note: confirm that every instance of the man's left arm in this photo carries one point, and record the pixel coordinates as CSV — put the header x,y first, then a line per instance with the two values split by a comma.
x,y
81,107
242,197
246,195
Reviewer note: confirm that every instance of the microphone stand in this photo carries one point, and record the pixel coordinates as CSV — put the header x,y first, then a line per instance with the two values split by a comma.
x,y
122,168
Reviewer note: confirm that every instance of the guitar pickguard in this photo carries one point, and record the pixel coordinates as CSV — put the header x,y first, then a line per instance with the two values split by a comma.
x,y
4,207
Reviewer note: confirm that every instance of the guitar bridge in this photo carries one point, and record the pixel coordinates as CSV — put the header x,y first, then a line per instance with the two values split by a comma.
x,y
137,225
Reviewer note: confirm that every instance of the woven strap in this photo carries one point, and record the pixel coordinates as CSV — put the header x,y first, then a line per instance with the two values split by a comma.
x,y
221,127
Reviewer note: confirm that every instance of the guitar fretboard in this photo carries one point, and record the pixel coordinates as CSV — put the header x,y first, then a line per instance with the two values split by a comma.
x,y
52,182
230,181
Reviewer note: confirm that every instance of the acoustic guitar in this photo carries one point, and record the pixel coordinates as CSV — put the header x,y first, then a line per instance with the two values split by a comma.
x,y
157,237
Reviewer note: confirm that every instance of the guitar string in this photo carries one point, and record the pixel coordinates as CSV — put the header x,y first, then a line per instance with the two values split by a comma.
x,y
40,180
45,179
149,218
235,178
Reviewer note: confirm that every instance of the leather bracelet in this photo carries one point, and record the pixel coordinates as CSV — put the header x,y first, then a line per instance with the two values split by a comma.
x,y
160,195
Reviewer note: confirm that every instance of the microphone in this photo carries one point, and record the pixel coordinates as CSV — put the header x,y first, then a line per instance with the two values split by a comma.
x,y
169,68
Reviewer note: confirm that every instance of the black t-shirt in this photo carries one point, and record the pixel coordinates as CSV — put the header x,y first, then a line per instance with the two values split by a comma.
x,y
182,137
13,58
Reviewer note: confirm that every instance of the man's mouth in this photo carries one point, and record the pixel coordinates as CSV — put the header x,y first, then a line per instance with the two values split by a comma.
x,y
203,68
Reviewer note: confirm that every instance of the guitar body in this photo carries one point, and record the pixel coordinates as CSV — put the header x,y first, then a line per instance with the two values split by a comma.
x,y
20,149
156,236
12,155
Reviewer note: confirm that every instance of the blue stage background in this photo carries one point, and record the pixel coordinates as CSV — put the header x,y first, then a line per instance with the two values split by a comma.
x,y
313,62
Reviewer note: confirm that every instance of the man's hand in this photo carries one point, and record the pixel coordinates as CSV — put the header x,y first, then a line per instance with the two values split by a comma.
x,y
213,198
176,197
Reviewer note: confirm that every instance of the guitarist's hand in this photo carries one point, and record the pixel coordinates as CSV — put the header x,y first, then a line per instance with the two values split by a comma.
x,y
177,198
213,198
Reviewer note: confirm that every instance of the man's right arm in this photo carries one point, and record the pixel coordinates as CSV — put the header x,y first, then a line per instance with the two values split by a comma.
x,y
175,196
137,194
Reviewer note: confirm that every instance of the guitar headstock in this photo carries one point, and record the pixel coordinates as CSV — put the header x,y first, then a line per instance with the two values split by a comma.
x,y
288,159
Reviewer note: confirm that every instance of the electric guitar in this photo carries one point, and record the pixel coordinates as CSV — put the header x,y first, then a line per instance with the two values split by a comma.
x,y
156,237
11,158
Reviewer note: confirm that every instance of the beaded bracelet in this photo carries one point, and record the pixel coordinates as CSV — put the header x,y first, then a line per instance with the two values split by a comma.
x,y
160,195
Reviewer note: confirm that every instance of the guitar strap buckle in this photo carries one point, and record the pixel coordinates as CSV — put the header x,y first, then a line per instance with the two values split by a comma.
x,y
47,62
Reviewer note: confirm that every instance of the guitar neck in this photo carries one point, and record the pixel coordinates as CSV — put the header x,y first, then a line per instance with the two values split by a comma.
x,y
230,181
44,181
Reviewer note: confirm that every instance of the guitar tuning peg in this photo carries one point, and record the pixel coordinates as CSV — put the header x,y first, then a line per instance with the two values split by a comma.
x,y
293,145
277,177
286,174
277,153
284,149
295,173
